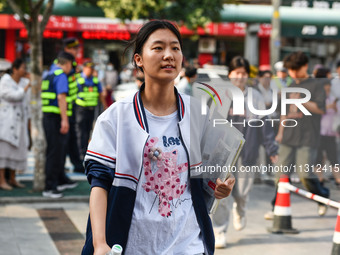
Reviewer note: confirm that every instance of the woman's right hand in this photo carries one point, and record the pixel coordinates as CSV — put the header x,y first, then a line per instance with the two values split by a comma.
x,y
278,138
64,126
27,87
102,249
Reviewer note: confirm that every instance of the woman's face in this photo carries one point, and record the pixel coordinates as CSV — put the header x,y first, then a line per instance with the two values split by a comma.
x,y
300,73
21,71
239,77
161,57
265,80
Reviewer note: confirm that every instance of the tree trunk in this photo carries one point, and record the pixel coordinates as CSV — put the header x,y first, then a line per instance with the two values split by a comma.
x,y
38,137
275,37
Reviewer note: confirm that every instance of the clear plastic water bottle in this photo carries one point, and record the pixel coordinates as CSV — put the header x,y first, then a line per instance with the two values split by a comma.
x,y
116,250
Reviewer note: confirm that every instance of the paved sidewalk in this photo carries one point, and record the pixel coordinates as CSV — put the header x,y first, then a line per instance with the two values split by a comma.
x,y
315,237
59,228
27,195
37,229
31,224
28,175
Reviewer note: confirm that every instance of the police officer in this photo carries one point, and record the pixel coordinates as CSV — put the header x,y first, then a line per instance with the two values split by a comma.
x,y
89,93
281,80
57,108
71,46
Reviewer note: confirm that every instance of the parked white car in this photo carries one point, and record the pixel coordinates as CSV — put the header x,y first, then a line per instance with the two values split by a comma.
x,y
209,74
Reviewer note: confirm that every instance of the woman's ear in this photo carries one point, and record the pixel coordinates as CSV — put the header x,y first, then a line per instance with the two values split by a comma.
x,y
138,59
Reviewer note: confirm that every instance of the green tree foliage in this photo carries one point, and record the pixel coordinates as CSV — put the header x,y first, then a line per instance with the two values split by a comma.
x,y
192,13
132,9
195,13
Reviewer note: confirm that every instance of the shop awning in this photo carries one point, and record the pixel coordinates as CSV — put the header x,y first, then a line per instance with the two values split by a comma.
x,y
69,8
289,15
81,9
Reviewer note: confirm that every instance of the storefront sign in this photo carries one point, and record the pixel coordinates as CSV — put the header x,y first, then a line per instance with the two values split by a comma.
x,y
47,34
311,31
231,29
330,31
318,4
104,35
227,29
321,4
62,22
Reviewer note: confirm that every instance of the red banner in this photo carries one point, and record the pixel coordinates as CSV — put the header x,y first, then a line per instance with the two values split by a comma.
x,y
84,24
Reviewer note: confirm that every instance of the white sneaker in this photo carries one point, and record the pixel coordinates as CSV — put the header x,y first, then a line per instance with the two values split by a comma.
x,y
220,241
295,179
269,215
52,194
238,221
69,185
322,209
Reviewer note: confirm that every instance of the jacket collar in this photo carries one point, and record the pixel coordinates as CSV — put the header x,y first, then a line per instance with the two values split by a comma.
x,y
140,111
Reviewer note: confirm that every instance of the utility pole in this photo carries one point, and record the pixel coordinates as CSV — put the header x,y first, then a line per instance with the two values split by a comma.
x,y
275,37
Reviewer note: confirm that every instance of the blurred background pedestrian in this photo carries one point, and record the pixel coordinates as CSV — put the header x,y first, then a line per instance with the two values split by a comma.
x,y
185,84
89,93
110,82
14,140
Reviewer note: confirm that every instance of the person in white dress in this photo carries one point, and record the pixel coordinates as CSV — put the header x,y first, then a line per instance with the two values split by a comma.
x,y
14,88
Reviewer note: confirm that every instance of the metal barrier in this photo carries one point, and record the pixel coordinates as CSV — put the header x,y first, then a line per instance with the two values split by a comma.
x,y
310,195
282,213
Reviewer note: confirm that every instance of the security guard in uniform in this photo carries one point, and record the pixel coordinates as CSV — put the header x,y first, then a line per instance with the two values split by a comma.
x,y
57,107
281,80
71,46
89,93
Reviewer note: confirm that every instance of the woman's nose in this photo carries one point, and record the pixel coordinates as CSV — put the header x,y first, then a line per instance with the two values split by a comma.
x,y
168,55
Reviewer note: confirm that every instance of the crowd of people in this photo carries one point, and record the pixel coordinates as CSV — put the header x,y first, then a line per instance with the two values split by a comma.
x,y
135,133
73,95
312,145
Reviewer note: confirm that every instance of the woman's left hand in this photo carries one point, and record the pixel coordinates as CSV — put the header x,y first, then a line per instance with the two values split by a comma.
x,y
223,189
274,159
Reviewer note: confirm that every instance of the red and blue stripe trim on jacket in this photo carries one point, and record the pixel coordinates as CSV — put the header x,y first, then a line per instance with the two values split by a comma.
x,y
101,156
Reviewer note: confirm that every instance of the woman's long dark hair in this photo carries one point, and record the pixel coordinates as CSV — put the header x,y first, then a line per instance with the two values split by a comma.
x,y
238,62
16,64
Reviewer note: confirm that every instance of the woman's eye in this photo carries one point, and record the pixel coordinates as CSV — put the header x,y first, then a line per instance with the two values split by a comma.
x,y
157,48
177,48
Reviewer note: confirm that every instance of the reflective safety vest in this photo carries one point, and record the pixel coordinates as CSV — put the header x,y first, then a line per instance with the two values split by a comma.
x,y
72,87
88,93
49,95
278,82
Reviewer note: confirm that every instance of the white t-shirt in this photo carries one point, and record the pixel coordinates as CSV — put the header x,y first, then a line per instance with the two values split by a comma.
x,y
164,221
267,94
335,87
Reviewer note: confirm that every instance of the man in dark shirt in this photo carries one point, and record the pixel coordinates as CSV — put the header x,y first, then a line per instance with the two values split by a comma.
x,y
299,144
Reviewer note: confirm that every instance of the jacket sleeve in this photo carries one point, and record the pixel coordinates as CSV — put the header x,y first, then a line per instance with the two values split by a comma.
x,y
100,158
268,138
99,175
9,92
